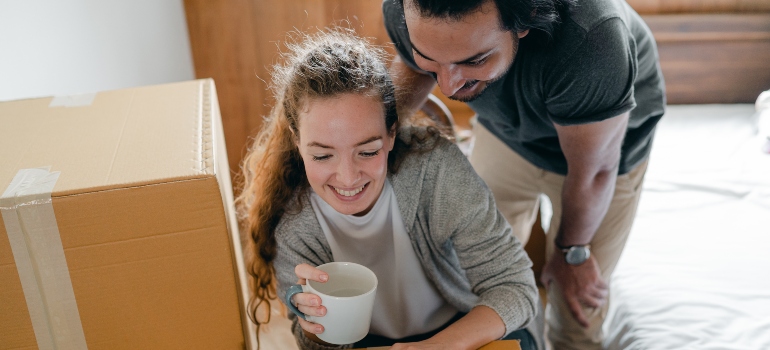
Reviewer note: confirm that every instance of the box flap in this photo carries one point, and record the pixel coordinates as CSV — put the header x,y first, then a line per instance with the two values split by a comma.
x,y
130,136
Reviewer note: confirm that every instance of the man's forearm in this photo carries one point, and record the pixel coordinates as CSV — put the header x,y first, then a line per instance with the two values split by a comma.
x,y
593,157
412,88
585,200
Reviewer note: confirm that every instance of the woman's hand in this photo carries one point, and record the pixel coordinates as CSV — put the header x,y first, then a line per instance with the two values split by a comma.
x,y
309,304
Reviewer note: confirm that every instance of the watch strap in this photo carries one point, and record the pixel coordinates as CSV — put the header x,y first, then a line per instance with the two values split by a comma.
x,y
565,249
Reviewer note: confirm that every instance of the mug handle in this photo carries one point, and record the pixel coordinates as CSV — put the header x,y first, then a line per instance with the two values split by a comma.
x,y
290,293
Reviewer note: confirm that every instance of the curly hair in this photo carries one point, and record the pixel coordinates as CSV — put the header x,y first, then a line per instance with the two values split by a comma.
x,y
321,65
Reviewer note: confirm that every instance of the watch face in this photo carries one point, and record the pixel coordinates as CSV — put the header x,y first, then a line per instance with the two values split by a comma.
x,y
577,255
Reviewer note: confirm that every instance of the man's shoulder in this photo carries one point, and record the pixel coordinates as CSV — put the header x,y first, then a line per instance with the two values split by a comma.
x,y
592,24
392,11
393,17
590,14
395,26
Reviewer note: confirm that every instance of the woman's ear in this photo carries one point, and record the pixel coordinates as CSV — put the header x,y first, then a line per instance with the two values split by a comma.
x,y
295,138
522,33
297,144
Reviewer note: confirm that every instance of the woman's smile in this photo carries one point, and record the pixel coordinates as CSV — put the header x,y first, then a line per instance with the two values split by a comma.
x,y
349,194
344,144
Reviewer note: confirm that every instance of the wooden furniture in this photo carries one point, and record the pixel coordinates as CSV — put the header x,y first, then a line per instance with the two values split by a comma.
x,y
646,7
711,51
713,58
236,42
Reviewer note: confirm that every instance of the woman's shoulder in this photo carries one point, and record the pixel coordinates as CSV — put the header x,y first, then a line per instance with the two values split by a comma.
x,y
427,142
432,158
298,216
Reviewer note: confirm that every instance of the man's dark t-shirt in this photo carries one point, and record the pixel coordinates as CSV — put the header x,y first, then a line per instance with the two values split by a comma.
x,y
601,62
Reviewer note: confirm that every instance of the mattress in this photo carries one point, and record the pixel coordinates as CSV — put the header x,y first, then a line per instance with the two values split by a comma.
x,y
695,273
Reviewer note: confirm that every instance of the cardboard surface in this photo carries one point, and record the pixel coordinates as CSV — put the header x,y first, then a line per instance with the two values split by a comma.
x,y
144,210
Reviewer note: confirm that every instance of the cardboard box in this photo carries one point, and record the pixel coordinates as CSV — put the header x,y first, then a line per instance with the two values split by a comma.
x,y
144,213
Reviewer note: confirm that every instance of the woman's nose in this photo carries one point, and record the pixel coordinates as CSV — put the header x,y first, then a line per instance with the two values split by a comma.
x,y
348,173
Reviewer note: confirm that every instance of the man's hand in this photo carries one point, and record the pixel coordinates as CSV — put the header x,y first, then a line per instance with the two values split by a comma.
x,y
413,87
580,285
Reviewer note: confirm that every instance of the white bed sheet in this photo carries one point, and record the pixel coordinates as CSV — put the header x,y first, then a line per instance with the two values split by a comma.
x,y
695,273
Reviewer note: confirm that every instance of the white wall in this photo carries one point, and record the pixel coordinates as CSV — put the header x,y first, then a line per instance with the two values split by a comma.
x,y
50,47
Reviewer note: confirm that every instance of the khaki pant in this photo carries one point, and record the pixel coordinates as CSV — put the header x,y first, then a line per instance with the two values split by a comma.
x,y
516,185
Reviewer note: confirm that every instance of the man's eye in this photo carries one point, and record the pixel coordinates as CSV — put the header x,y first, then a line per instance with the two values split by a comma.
x,y
320,158
477,62
370,154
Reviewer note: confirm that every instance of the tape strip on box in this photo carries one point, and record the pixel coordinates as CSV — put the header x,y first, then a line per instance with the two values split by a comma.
x,y
82,100
39,255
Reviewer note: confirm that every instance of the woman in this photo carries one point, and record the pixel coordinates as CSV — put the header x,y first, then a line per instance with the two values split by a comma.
x,y
333,177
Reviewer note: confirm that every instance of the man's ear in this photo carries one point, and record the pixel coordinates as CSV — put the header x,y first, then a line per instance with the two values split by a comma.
x,y
393,134
522,33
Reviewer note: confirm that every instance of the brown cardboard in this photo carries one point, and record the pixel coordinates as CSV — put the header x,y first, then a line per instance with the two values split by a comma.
x,y
144,210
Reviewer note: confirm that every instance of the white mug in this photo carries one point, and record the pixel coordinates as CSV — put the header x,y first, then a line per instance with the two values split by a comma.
x,y
348,296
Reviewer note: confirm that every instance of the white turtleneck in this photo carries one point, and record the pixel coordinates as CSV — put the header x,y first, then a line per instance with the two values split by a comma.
x,y
406,303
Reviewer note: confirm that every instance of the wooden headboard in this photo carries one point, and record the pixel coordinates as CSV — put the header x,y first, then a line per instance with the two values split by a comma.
x,y
711,51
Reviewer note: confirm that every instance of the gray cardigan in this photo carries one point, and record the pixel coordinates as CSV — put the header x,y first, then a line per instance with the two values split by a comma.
x,y
463,242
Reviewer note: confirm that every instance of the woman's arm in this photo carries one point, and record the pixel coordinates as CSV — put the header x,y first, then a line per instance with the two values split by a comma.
x,y
300,246
493,260
477,328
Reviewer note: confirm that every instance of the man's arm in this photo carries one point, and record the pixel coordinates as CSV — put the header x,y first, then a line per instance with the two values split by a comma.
x,y
593,156
412,87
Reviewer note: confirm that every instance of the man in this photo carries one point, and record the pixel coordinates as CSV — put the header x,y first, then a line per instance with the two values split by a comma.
x,y
567,96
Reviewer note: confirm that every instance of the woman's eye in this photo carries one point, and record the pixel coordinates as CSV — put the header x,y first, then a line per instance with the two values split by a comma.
x,y
370,154
320,158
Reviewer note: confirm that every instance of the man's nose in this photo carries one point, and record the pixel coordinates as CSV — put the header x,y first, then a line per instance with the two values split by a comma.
x,y
449,79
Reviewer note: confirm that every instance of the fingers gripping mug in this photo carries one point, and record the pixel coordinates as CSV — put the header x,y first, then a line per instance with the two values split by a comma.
x,y
348,296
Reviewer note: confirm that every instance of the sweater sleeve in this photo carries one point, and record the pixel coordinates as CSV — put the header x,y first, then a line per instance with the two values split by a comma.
x,y
299,240
494,261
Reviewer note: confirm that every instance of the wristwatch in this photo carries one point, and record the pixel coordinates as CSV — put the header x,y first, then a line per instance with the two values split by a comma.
x,y
575,254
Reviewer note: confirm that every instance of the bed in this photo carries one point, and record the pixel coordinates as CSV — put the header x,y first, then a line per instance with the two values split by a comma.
x,y
695,273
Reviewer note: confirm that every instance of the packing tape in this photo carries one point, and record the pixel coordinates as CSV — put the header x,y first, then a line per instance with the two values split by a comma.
x,y
72,100
37,249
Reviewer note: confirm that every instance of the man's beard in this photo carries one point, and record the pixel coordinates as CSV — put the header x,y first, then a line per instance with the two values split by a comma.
x,y
478,94
488,82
